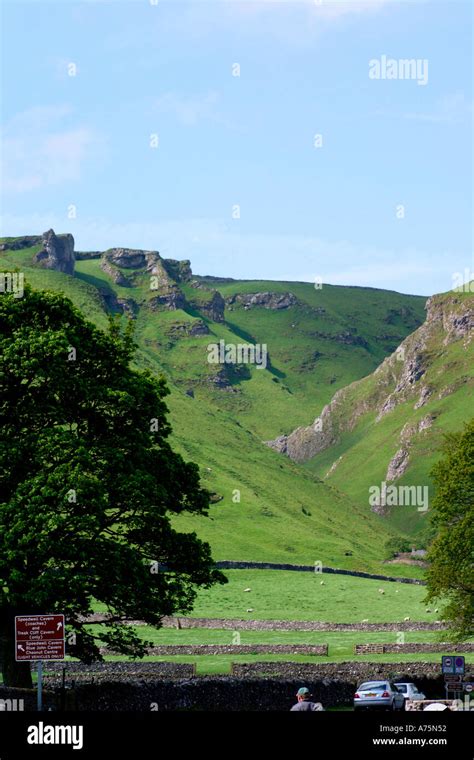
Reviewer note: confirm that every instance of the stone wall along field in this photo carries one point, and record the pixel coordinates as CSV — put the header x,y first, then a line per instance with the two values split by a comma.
x,y
413,648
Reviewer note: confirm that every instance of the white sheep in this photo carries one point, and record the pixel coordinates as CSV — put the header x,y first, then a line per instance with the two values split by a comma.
x,y
250,609
366,620
247,589
322,583
406,619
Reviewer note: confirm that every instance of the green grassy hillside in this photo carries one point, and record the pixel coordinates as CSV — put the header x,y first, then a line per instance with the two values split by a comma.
x,y
392,411
266,507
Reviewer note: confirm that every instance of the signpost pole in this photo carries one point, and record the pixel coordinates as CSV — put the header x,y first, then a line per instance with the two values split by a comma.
x,y
40,685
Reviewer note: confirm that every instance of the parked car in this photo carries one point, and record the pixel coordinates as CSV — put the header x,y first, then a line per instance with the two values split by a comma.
x,y
378,694
410,691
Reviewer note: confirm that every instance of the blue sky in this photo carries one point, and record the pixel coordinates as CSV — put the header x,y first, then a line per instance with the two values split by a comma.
x,y
167,69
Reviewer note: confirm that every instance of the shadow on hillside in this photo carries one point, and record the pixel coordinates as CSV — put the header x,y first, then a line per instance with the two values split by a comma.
x,y
248,338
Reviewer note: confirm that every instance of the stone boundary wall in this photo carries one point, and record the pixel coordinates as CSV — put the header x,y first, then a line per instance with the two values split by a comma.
x,y
369,649
257,687
24,699
355,672
218,693
215,694
119,669
234,624
412,648
231,649
237,565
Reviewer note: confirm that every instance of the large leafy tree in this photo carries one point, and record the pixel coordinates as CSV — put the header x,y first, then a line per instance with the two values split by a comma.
x,y
88,484
451,571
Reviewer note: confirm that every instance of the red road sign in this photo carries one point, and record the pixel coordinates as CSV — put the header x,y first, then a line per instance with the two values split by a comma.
x,y
39,637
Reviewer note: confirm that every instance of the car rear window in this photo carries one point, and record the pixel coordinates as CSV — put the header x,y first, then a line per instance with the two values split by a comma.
x,y
373,686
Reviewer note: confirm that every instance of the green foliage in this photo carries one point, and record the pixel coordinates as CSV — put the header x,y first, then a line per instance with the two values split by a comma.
x,y
88,480
451,573
396,545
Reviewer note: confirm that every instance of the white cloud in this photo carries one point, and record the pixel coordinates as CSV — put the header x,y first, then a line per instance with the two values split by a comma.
x,y
337,8
327,9
451,109
296,22
39,150
188,110
293,22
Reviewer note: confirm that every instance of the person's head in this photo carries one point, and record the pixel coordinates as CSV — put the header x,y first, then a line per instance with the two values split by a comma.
x,y
303,694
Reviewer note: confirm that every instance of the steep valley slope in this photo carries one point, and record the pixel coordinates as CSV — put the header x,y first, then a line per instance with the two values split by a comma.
x,y
320,340
389,426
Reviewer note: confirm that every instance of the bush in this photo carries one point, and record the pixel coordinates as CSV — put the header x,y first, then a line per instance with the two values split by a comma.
x,y
396,545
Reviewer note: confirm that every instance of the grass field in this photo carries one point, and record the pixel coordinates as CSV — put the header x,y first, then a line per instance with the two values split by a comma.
x,y
289,595
282,595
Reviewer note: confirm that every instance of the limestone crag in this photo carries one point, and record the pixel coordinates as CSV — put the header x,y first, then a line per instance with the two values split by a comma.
x,y
400,378
170,298
117,276
275,301
188,329
208,301
57,252
179,271
116,259
214,309
397,465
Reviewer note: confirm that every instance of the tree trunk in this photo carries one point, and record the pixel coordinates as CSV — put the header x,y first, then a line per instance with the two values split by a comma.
x,y
14,673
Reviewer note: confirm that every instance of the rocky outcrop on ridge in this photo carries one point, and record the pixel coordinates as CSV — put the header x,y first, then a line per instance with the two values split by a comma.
x,y
57,252
275,301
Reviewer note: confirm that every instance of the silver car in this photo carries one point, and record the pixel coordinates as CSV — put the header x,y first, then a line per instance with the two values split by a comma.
x,y
382,695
